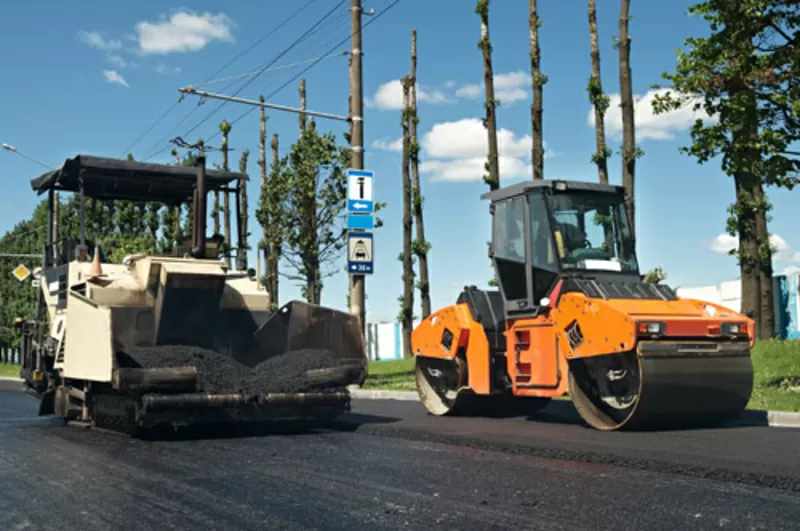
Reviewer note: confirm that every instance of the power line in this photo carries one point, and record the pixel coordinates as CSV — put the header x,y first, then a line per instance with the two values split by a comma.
x,y
264,37
309,67
262,70
281,67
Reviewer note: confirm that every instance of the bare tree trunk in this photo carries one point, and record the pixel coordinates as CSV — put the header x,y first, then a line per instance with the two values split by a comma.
x,y
598,100
421,247
243,221
748,248
313,222
492,165
626,103
407,309
537,82
264,219
274,246
302,118
766,309
226,209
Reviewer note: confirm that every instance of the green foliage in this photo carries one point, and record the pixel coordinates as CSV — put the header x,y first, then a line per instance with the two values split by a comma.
x,y
655,275
314,181
744,74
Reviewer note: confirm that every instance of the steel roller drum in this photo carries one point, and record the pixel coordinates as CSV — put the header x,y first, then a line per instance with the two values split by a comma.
x,y
679,384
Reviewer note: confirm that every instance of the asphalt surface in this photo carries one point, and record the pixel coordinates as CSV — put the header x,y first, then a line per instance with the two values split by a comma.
x,y
742,452
59,477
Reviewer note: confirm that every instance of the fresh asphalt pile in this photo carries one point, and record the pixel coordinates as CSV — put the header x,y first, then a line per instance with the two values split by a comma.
x,y
219,373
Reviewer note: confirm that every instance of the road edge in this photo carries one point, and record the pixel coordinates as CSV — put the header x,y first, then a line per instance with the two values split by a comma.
x,y
774,419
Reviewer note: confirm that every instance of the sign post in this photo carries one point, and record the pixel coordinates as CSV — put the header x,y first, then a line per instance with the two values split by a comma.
x,y
360,222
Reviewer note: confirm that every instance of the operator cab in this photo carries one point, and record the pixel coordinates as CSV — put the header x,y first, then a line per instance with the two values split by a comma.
x,y
543,231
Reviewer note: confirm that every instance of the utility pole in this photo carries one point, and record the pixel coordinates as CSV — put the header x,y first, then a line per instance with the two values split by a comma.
x,y
357,305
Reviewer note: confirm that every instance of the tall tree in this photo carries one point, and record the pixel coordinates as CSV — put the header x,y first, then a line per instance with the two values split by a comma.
x,y
420,246
745,74
315,191
598,99
225,129
263,246
629,152
241,226
271,213
537,83
490,122
407,299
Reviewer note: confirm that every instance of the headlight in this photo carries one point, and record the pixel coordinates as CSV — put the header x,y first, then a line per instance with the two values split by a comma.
x,y
651,328
733,329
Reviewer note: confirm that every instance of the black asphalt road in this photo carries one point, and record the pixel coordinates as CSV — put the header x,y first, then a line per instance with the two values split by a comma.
x,y
58,477
743,452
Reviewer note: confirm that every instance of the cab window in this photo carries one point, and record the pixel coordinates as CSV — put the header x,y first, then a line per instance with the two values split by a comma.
x,y
509,247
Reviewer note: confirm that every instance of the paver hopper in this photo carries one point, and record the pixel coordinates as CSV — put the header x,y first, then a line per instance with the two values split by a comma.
x,y
573,315
197,321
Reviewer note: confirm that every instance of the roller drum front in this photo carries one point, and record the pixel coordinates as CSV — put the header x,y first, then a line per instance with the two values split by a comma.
x,y
665,385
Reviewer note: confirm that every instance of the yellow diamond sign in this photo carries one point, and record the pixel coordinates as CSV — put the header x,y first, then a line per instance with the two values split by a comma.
x,y
21,272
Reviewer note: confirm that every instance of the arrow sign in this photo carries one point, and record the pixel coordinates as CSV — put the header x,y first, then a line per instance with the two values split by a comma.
x,y
359,191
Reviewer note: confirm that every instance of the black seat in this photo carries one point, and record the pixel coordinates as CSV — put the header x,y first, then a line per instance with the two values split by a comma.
x,y
488,309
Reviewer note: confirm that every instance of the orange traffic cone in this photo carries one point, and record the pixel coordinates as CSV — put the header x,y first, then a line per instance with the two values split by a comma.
x,y
95,270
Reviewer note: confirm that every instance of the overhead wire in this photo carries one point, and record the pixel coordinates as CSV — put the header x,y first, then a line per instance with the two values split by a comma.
x,y
260,72
274,69
294,78
264,37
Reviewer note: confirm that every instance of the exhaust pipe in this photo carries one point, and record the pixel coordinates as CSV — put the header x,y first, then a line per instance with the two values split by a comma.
x,y
200,214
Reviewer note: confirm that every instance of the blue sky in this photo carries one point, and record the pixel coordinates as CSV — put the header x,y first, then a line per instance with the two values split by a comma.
x,y
92,80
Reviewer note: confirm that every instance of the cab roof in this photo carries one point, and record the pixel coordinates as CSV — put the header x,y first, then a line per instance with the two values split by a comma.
x,y
118,179
559,185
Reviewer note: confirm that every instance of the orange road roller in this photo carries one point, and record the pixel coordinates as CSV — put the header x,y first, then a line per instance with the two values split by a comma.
x,y
573,315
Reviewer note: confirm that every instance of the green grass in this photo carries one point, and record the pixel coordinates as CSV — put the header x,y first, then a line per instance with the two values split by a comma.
x,y
394,375
777,376
776,364
8,370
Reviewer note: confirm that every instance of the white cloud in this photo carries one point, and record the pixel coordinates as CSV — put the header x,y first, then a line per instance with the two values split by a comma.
x,y
791,270
472,169
389,96
648,124
467,138
114,77
508,88
183,31
388,145
470,92
724,243
95,40
117,61
457,151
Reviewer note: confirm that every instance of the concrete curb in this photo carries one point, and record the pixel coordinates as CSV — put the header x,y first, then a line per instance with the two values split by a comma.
x,y
10,379
377,394
774,419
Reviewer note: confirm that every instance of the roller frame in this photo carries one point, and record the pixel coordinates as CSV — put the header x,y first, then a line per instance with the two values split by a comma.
x,y
687,367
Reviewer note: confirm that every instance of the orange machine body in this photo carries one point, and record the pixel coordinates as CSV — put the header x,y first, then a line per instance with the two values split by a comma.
x,y
538,348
